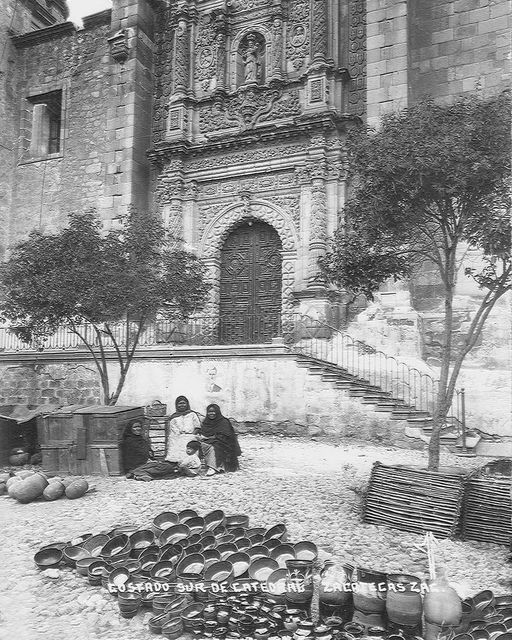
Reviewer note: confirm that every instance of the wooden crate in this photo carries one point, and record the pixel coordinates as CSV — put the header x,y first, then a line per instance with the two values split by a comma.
x,y
104,460
62,460
156,430
106,425
59,427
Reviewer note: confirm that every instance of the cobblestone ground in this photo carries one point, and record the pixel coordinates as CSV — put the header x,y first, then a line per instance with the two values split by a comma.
x,y
314,488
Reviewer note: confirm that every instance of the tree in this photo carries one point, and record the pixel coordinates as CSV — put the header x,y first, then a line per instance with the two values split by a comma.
x,y
432,181
89,281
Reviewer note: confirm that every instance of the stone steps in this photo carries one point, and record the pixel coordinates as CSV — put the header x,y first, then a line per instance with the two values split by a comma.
x,y
418,423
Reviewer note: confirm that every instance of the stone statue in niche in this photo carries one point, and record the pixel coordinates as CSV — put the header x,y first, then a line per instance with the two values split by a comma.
x,y
252,52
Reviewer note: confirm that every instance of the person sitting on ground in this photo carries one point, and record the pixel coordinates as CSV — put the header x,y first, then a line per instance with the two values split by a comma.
x,y
138,455
182,425
219,443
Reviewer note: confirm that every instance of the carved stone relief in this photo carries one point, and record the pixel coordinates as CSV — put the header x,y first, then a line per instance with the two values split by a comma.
x,y
227,160
247,108
206,51
218,229
357,57
248,4
297,47
319,34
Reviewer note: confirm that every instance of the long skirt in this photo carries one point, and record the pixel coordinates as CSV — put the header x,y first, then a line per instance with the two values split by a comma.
x,y
153,469
210,458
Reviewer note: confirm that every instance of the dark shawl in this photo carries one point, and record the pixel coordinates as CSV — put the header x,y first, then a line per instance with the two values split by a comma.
x,y
136,450
222,436
181,413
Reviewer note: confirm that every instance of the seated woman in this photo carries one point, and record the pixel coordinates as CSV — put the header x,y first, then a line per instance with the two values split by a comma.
x,y
183,424
138,455
219,443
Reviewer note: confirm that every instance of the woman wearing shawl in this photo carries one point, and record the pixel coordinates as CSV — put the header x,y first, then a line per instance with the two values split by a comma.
x,y
219,443
183,424
138,456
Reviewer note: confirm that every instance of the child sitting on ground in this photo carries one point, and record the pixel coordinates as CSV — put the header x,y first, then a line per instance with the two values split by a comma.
x,y
190,465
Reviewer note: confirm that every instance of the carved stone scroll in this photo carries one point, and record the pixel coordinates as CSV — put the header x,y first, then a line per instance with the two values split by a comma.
x,y
319,34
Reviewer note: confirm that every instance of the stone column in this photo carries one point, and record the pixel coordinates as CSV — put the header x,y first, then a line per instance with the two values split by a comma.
x,y
181,55
317,230
276,53
220,51
173,210
319,31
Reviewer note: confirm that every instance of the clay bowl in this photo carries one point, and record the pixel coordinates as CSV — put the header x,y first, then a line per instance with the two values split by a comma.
x,y
115,546
256,539
48,558
507,622
126,563
223,539
162,569
480,634
282,553
482,599
174,534
210,557
193,548
463,636
137,553
191,612
496,629
56,545
254,531
504,636
118,578
237,520
176,604
261,568
271,544
126,529
258,551
214,519
226,549
306,550
276,585
79,540
172,629
217,531
237,533
82,565
155,623
147,562
193,563
503,602
479,623
221,571
240,562
129,597
71,554
95,544
165,520
142,539
277,531
506,612
207,542
187,514
195,538
242,544
171,552
195,525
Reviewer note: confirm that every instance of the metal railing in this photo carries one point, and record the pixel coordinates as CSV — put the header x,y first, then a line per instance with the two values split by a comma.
x,y
407,385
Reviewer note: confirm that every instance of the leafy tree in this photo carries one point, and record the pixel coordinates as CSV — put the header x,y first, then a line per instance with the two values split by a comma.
x,y
432,181
89,282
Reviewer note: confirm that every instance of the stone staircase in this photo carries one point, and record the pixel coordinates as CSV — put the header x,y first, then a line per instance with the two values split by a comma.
x,y
418,423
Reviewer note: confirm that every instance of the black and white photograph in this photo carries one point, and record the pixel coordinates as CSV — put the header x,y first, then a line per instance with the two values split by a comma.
x,y
255,319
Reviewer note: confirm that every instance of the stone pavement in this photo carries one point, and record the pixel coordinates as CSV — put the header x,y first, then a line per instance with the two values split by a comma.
x,y
314,488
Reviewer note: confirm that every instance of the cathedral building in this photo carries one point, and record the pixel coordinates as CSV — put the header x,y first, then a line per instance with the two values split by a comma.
x,y
228,119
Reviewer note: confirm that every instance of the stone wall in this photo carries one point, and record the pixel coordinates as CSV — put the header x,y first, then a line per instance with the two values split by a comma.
x,y
459,47
37,383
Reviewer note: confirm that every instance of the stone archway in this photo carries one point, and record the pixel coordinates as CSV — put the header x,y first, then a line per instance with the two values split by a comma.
x,y
233,215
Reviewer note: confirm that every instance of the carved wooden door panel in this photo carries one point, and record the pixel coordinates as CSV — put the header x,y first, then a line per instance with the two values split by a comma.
x,y
250,284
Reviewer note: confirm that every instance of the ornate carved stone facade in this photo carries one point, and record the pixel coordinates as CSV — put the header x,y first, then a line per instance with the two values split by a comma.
x,y
255,116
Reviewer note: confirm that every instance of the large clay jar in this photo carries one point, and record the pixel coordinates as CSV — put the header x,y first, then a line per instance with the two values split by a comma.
x,y
299,582
403,600
335,591
31,488
441,604
370,591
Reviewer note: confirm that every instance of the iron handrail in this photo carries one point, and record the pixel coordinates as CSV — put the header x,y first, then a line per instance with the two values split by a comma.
x,y
416,390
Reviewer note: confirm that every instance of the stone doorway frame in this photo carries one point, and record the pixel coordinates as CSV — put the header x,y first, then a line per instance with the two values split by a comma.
x,y
223,223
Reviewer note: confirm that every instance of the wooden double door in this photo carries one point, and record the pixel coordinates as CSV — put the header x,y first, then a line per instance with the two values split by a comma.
x,y
250,284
